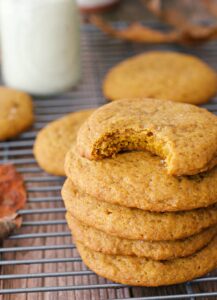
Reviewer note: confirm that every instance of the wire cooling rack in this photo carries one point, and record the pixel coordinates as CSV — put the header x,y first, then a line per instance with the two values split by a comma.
x,y
40,261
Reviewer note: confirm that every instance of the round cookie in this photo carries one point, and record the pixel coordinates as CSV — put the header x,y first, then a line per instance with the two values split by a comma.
x,y
182,134
161,74
146,272
16,112
134,223
53,141
99,241
139,179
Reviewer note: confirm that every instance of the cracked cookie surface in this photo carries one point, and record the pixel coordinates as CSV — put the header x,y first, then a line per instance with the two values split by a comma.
x,y
134,223
139,179
146,272
162,250
183,135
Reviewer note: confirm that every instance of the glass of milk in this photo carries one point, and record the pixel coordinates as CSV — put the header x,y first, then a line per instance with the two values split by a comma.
x,y
40,42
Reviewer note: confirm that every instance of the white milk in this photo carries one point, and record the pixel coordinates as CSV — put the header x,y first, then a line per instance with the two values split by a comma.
x,y
40,45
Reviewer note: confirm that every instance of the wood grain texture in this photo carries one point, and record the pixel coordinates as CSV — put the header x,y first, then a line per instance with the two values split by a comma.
x,y
88,294
99,54
50,267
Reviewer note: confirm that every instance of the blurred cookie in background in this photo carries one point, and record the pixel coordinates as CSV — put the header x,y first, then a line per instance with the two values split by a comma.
x,y
16,112
164,75
53,142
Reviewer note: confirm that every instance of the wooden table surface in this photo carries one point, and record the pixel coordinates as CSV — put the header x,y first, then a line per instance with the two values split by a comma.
x,y
127,10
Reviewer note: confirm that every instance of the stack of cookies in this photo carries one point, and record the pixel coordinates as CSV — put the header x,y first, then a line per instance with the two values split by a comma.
x,y
141,192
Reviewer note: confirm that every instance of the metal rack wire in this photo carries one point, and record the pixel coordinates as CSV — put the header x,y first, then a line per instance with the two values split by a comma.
x,y
40,261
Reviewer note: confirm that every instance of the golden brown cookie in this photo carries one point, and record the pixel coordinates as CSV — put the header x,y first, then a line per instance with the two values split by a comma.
x,y
134,223
99,241
16,112
162,75
182,134
54,140
146,272
139,179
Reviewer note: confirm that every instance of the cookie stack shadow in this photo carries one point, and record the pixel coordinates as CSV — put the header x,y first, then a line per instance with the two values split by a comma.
x,y
132,222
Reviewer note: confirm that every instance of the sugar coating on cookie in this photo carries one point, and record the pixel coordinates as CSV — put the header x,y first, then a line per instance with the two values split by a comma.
x,y
146,272
132,223
162,75
16,112
100,241
182,134
54,140
139,179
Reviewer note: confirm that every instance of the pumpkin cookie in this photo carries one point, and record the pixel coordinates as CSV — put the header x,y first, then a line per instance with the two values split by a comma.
x,y
182,134
53,141
134,223
16,112
146,272
139,179
163,250
162,75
